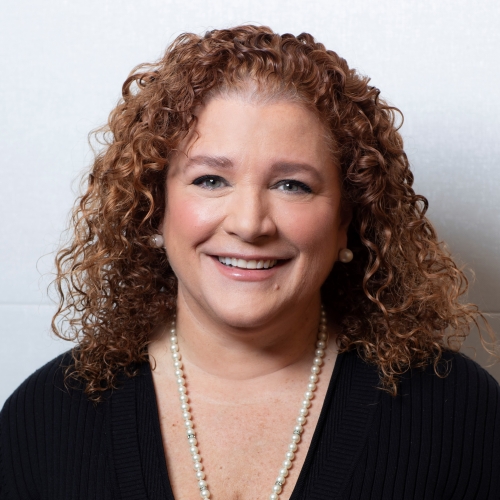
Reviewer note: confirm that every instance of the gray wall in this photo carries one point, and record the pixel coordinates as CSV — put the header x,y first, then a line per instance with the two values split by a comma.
x,y
64,63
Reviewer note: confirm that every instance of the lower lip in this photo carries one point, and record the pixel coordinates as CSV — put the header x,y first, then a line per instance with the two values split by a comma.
x,y
239,274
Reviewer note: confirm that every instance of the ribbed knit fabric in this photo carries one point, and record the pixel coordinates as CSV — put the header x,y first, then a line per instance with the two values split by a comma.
x,y
438,439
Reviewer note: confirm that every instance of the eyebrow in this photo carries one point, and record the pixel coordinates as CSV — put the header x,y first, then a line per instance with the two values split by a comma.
x,y
287,168
211,161
279,167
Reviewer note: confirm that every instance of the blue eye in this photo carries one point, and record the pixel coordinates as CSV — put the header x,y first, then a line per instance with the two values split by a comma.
x,y
209,181
292,186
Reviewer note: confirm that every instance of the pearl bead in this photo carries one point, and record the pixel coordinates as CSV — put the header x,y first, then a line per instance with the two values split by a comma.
x,y
196,457
188,424
184,398
319,353
181,381
178,364
306,403
200,474
280,480
322,336
192,441
313,378
190,433
287,463
318,361
202,484
304,412
308,395
320,344
193,449
296,438
292,447
283,471
298,429
205,494
182,389
301,420
277,489
185,407
176,355
174,347
290,455
198,466
186,415
311,387
273,496
315,369
173,339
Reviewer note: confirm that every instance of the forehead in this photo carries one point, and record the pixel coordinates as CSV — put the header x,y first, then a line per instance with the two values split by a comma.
x,y
260,128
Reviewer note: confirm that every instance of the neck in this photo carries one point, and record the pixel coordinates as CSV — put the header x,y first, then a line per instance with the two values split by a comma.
x,y
284,342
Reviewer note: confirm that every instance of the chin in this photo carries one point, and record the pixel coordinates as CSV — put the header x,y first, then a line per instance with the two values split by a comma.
x,y
245,314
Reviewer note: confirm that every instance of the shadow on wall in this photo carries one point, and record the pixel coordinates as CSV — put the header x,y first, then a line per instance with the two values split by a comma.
x,y
467,227
455,162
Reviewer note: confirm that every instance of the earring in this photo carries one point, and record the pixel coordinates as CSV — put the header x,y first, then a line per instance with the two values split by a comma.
x,y
345,255
156,240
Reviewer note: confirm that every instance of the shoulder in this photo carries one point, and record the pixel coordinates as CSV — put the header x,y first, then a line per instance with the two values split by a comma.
x,y
456,391
452,421
41,388
41,424
439,436
49,431
454,377
41,401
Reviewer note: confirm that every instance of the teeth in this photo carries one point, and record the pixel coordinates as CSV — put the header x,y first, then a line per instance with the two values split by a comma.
x,y
248,264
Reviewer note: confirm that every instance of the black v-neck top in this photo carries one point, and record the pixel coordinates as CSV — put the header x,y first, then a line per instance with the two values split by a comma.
x,y
438,439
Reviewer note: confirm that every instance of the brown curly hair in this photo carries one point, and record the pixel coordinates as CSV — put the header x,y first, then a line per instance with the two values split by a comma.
x,y
397,302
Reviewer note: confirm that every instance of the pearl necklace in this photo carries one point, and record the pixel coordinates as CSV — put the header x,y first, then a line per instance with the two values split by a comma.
x,y
297,431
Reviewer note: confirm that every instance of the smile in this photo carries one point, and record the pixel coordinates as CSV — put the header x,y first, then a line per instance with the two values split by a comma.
x,y
247,264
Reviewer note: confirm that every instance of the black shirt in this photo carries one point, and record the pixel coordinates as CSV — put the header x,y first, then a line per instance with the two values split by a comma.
x,y
438,439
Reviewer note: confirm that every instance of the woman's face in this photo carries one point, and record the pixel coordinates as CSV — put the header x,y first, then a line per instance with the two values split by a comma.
x,y
252,224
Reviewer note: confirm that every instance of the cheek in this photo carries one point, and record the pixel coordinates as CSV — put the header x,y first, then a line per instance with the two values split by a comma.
x,y
314,232
187,220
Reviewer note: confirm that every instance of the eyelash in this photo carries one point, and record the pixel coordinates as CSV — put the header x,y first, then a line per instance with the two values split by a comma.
x,y
200,182
304,187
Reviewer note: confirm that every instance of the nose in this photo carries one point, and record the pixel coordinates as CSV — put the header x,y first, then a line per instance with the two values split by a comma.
x,y
248,215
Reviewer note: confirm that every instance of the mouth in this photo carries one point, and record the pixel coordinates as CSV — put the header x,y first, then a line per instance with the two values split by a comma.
x,y
247,264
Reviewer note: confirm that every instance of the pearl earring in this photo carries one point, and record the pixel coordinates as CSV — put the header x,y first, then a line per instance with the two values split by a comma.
x,y
156,240
345,255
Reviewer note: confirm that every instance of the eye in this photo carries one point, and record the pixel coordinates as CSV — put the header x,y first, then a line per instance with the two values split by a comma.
x,y
210,182
293,186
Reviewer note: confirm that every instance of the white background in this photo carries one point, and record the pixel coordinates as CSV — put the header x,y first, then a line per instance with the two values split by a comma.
x,y
64,63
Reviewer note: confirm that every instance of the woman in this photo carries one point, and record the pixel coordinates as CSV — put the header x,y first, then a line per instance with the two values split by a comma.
x,y
261,307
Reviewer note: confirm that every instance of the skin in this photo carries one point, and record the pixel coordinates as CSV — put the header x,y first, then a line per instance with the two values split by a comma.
x,y
253,181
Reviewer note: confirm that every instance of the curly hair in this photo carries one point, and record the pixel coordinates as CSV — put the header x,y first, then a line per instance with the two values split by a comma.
x,y
397,303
